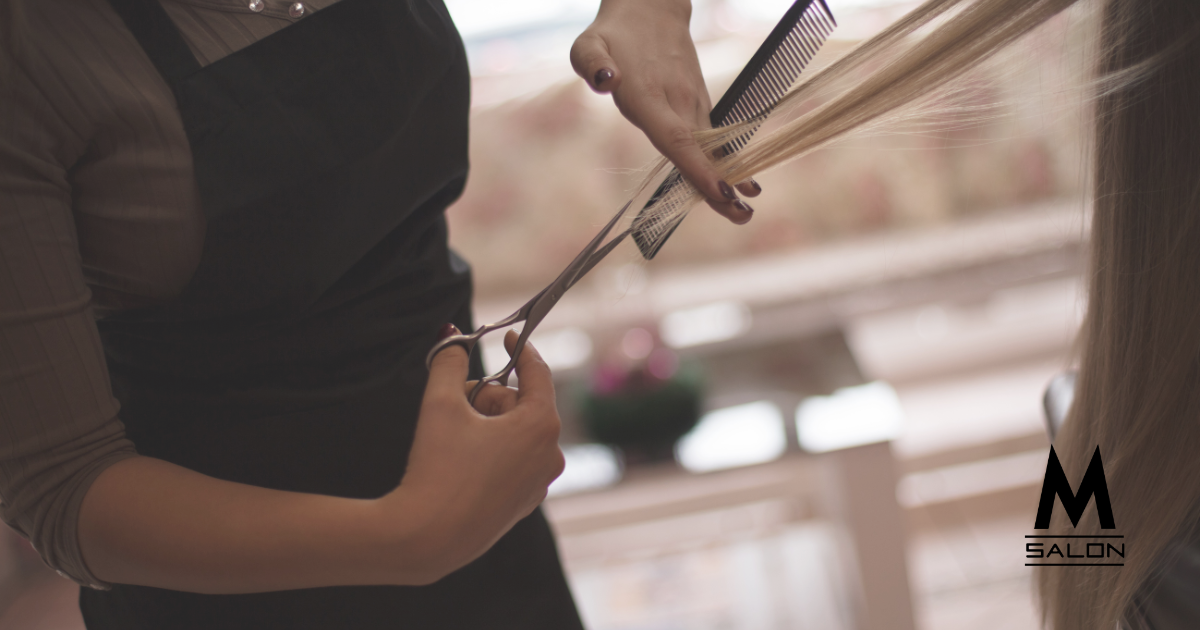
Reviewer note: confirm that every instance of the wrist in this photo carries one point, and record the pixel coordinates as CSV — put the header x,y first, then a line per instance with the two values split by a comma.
x,y
416,544
680,10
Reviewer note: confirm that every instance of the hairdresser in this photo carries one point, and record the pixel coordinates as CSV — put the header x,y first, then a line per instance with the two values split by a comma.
x,y
223,258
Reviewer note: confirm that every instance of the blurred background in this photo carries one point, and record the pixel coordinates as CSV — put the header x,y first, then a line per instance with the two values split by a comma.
x,y
830,417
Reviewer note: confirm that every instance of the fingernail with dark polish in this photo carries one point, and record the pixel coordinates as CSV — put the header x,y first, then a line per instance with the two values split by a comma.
x,y
602,75
447,330
755,185
743,206
726,189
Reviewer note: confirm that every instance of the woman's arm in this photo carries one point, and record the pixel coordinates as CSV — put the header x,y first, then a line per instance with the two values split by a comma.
x,y
470,478
149,522
642,52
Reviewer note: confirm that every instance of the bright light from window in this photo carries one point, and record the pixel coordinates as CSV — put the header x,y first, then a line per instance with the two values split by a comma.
x,y
562,349
705,324
734,436
771,10
589,466
850,417
475,18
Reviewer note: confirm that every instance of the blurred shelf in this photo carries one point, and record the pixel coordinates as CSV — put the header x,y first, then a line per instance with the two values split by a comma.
x,y
811,291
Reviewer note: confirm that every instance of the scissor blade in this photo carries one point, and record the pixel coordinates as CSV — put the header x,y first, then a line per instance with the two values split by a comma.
x,y
586,258
599,255
579,267
551,294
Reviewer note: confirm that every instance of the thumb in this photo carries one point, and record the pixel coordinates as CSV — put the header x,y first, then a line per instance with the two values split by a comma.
x,y
590,58
449,367
536,380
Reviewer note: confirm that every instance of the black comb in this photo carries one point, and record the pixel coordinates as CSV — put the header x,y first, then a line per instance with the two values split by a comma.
x,y
769,75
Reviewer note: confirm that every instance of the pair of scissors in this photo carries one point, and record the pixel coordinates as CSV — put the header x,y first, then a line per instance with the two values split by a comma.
x,y
535,310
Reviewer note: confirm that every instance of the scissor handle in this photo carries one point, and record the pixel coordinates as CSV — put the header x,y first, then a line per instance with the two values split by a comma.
x,y
533,311
499,378
469,341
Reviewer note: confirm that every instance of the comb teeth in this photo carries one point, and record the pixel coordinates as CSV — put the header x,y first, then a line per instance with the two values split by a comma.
x,y
754,93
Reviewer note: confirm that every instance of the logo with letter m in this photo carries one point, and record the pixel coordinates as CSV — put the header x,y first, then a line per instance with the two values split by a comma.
x,y
1093,483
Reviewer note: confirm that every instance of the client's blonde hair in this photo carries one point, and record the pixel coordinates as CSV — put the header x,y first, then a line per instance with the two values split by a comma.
x,y
1139,387
1138,395
910,70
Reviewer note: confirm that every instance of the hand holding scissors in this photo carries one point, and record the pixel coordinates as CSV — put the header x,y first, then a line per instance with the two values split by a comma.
x,y
535,310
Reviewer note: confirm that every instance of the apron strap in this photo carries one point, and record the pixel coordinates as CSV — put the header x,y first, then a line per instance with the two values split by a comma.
x,y
159,37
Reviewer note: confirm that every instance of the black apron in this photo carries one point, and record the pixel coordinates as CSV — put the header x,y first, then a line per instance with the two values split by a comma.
x,y
325,155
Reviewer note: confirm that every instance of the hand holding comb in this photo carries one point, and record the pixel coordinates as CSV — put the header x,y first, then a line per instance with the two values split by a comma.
x,y
769,75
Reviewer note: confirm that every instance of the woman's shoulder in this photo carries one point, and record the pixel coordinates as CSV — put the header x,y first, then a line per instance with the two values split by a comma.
x,y
94,127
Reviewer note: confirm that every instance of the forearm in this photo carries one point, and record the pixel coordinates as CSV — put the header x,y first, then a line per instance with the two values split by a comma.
x,y
470,478
148,522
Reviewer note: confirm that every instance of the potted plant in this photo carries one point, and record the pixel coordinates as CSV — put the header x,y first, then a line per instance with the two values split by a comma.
x,y
642,400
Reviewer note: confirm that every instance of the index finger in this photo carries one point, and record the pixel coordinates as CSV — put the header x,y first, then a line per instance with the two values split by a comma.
x,y
675,139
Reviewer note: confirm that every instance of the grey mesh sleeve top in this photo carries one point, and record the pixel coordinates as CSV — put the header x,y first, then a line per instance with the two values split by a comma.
x,y
98,213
